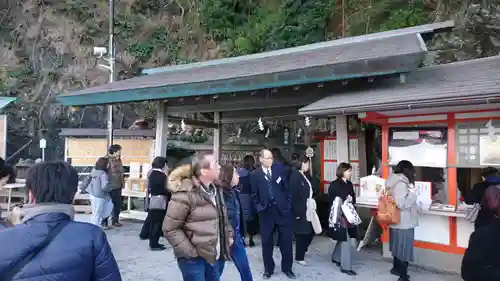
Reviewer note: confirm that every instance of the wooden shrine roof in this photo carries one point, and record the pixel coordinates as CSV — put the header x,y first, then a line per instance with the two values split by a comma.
x,y
465,82
376,54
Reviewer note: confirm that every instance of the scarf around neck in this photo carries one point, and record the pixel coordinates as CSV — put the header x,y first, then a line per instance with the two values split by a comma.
x,y
26,212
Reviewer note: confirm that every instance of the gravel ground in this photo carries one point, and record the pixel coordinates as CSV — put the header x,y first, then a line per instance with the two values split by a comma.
x,y
138,263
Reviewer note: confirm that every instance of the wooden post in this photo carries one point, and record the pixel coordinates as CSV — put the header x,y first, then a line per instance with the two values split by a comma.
x,y
342,135
217,136
161,139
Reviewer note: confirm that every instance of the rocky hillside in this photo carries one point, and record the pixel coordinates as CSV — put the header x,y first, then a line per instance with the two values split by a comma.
x,y
46,45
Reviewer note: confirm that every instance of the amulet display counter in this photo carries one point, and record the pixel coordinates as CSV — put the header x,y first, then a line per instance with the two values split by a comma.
x,y
443,232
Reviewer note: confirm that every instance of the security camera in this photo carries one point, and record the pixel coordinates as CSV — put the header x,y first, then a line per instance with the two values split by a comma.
x,y
100,51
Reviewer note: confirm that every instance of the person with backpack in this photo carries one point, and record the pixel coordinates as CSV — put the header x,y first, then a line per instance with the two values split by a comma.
x,y
98,189
46,243
400,185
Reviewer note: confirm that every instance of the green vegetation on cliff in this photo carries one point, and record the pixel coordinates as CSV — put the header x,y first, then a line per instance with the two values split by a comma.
x,y
46,45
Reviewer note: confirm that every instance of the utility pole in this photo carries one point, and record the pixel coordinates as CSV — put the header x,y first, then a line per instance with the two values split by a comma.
x,y
111,66
101,51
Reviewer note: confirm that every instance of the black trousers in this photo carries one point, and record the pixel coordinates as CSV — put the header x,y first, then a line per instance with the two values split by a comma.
x,y
269,219
302,243
401,267
116,198
152,226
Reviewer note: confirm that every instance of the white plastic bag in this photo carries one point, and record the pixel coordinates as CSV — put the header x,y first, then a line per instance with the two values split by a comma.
x,y
335,212
350,213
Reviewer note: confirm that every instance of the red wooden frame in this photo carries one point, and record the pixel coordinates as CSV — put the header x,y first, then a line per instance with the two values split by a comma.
x,y
322,160
451,121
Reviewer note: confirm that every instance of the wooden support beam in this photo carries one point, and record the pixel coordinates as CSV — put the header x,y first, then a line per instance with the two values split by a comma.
x,y
286,113
195,123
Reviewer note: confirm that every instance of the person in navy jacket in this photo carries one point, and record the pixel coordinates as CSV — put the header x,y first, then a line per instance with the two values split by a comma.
x,y
249,214
229,180
77,250
272,201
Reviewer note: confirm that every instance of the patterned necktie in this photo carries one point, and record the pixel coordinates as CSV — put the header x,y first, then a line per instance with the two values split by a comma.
x,y
268,174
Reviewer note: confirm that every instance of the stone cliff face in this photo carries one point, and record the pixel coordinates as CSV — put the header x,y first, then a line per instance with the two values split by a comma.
x,y
46,45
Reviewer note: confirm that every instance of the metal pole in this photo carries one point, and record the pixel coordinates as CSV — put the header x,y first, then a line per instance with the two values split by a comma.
x,y
112,66
43,154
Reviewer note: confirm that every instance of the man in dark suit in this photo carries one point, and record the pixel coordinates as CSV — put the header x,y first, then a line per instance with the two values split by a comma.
x,y
272,201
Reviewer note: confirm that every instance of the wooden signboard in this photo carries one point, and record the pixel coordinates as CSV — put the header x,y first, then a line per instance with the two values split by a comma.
x,y
85,151
329,161
3,136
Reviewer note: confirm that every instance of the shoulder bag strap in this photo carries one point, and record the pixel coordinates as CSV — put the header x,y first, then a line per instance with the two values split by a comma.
x,y
21,264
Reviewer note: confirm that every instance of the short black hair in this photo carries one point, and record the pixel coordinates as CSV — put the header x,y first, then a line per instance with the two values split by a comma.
x,y
102,164
159,162
489,172
341,168
248,162
52,182
297,163
114,148
277,154
7,170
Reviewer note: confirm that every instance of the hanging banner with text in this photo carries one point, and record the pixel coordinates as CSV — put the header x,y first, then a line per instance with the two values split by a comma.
x,y
85,152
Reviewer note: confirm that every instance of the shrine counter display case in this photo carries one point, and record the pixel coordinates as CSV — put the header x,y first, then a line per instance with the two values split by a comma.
x,y
448,151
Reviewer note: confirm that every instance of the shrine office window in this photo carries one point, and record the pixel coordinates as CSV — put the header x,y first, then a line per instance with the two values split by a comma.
x,y
476,147
426,148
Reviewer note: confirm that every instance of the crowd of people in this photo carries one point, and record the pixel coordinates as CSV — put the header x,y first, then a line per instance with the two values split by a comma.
x,y
206,211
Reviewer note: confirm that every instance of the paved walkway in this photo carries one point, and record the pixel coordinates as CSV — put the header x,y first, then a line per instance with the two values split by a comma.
x,y
137,263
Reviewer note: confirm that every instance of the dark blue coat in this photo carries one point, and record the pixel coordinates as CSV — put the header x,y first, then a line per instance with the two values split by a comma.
x,y
260,190
245,197
80,252
234,210
300,189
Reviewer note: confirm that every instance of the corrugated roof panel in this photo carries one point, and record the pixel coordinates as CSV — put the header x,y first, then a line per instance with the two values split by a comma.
x,y
337,54
4,101
420,29
455,81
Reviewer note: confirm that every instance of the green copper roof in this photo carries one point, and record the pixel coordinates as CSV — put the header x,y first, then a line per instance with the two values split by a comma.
x,y
354,57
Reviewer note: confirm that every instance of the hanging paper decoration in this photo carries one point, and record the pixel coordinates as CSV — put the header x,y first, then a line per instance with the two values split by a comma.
x,y
491,130
183,125
239,133
286,136
261,124
267,133
307,121
333,126
299,133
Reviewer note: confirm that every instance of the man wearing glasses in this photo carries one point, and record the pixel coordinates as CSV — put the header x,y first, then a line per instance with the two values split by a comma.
x,y
272,201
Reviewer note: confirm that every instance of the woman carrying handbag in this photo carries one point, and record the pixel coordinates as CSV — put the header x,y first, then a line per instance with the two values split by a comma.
x,y
306,221
402,234
158,202
344,231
